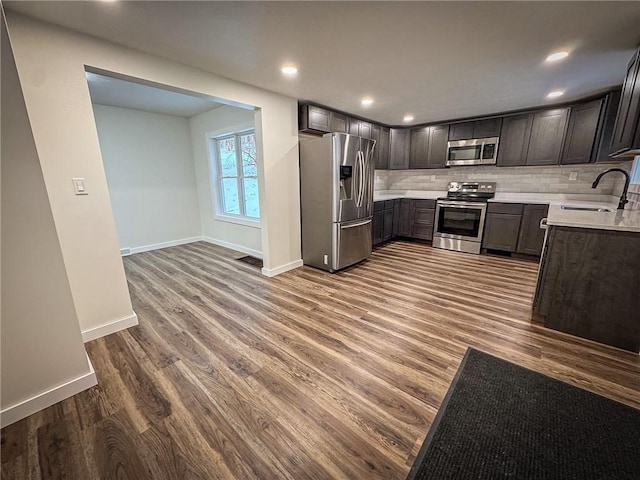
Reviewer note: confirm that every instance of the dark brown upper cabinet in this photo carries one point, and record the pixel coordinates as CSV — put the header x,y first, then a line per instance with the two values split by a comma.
x,y
605,131
429,147
461,131
626,132
580,140
489,127
375,135
360,128
399,152
547,133
354,127
419,147
437,157
314,119
514,140
382,148
338,122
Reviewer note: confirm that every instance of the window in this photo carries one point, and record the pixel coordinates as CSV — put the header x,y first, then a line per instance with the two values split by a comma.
x,y
237,176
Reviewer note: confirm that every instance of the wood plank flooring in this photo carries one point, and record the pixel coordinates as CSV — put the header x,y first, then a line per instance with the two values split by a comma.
x,y
232,375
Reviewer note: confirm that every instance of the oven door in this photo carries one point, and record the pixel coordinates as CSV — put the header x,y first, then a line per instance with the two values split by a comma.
x,y
460,220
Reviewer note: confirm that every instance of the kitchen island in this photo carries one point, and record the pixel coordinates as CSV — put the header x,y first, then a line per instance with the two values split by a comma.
x,y
589,279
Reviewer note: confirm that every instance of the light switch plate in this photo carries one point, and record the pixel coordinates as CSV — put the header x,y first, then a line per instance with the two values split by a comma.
x,y
80,186
573,176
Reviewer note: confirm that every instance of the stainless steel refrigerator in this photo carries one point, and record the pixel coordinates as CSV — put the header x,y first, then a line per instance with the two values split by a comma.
x,y
336,196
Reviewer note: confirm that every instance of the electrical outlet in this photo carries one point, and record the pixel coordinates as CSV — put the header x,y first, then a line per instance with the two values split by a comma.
x,y
573,176
433,178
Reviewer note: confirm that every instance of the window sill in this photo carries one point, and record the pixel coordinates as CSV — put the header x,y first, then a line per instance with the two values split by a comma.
x,y
238,220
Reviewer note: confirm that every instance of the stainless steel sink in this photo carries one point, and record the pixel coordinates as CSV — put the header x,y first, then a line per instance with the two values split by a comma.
x,y
587,209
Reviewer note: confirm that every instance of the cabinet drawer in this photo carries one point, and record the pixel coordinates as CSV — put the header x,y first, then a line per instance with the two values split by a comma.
x,y
378,206
509,208
388,204
424,203
423,216
423,232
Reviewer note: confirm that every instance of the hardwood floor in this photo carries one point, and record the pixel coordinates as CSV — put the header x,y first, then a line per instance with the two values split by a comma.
x,y
304,376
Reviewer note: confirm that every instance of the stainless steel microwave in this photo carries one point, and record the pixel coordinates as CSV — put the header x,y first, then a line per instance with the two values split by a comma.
x,y
476,151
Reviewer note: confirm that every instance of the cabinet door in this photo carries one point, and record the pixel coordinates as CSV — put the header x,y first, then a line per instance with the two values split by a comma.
x,y
383,149
399,153
387,231
547,133
607,122
531,235
375,135
487,128
514,140
581,133
354,126
365,129
501,232
338,122
378,227
396,217
461,131
437,156
422,225
404,224
312,118
419,147
628,115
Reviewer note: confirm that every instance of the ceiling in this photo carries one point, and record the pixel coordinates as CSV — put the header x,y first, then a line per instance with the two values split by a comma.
x,y
120,93
436,60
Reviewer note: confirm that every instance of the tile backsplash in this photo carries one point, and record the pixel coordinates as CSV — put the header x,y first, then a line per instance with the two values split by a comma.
x,y
552,179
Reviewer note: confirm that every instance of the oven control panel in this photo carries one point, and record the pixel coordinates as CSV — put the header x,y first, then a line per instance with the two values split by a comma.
x,y
472,187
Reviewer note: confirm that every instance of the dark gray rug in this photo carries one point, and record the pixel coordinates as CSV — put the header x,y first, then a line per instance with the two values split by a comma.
x,y
499,420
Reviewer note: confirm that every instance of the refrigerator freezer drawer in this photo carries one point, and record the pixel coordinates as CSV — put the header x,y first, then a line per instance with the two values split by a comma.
x,y
352,242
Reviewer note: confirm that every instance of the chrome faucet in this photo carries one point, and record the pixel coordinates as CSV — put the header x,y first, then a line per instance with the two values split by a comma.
x,y
623,197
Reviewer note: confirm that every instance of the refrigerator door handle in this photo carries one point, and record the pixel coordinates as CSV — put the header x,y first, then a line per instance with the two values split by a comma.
x,y
353,225
361,178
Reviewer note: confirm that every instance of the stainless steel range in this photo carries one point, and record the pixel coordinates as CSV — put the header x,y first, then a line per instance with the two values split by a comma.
x,y
459,222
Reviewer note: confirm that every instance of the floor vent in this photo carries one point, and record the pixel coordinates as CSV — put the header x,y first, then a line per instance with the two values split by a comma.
x,y
125,251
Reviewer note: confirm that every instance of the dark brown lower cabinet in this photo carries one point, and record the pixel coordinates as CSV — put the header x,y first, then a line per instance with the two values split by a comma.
x,y
396,217
531,235
514,228
422,219
382,228
501,232
377,229
592,295
404,224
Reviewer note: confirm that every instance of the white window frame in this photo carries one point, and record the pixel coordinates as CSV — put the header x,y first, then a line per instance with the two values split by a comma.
x,y
216,177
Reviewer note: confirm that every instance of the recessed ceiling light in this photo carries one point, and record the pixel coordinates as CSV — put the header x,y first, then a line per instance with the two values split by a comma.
x,y
408,118
554,57
555,94
366,101
289,70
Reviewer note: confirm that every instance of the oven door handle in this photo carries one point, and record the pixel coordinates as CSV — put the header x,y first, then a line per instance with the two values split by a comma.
x,y
479,206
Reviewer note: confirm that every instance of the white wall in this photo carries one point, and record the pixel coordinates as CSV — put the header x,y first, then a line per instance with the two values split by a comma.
x,y
151,177
51,64
41,343
241,237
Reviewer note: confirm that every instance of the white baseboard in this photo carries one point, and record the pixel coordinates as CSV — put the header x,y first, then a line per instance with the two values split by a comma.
x,y
272,272
155,246
50,397
111,327
233,246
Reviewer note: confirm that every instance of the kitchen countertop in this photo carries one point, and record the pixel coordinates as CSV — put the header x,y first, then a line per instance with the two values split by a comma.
x,y
627,220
